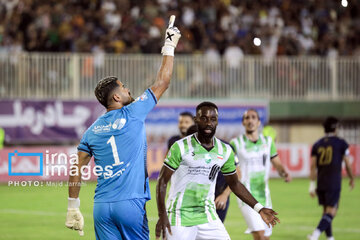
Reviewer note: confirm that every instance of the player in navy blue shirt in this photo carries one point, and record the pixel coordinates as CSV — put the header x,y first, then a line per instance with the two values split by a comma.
x,y
186,119
117,141
327,156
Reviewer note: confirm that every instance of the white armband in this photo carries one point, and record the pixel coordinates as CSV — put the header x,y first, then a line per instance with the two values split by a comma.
x,y
258,207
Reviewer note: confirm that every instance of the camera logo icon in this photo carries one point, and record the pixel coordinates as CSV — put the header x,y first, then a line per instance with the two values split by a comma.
x,y
21,164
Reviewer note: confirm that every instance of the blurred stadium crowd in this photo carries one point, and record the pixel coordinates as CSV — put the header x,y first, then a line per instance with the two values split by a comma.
x,y
216,27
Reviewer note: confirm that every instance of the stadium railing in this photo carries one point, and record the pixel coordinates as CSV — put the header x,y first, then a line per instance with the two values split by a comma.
x,y
74,76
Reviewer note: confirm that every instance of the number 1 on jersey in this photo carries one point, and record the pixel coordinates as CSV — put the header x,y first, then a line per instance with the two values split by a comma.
x,y
114,151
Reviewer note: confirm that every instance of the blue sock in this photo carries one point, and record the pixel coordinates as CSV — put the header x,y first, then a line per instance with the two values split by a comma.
x,y
328,231
325,222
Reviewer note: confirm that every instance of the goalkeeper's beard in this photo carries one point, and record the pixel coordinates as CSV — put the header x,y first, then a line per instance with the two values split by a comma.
x,y
130,101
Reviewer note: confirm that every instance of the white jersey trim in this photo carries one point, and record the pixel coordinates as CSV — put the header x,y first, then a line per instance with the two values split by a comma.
x,y
169,167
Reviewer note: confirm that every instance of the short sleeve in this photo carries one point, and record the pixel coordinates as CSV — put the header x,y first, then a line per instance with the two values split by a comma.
x,y
346,148
229,167
313,151
84,145
233,145
173,158
143,105
273,151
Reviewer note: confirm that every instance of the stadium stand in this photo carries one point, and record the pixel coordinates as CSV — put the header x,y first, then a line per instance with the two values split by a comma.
x,y
285,27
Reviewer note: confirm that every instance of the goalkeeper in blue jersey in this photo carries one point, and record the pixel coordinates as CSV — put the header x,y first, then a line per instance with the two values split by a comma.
x,y
117,141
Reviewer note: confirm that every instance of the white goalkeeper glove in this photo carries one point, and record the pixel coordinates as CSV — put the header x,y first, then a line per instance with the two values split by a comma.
x,y
74,218
172,37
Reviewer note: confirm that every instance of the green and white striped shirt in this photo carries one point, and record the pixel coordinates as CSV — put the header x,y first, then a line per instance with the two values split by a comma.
x,y
254,162
192,191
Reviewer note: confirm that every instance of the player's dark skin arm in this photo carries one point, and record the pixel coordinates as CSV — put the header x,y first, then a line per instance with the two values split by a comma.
x,y
241,192
161,186
163,77
75,181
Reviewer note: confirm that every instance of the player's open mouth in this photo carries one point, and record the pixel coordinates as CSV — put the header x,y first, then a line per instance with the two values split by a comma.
x,y
208,131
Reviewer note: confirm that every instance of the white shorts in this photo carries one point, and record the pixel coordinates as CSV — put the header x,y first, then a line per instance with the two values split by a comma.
x,y
214,230
253,220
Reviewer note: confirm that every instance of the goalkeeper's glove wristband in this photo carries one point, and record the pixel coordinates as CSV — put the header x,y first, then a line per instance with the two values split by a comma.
x,y
74,218
73,202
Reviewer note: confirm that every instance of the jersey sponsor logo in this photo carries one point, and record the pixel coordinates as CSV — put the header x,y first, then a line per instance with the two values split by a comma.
x,y
254,161
143,97
102,128
220,157
199,170
119,123
111,174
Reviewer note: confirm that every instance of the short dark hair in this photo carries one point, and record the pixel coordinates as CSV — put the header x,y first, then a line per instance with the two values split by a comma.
x,y
330,124
104,88
187,114
250,109
191,130
206,104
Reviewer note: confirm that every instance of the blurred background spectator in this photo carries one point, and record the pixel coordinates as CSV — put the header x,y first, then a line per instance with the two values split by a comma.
x,y
284,27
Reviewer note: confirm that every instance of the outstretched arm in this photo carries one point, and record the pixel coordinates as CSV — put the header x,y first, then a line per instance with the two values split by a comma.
x,y
75,179
74,218
163,222
268,215
280,169
349,172
163,77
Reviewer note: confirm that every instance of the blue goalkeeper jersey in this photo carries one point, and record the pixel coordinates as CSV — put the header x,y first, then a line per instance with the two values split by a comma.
x,y
117,140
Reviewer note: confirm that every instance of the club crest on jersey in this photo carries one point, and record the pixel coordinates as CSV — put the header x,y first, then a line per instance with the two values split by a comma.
x,y
119,123
207,158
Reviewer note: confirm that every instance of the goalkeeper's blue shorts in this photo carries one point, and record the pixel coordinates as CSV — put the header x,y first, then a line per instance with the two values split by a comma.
x,y
122,220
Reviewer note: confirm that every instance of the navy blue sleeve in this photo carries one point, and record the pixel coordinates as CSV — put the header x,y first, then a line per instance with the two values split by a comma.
x,y
142,105
313,150
345,148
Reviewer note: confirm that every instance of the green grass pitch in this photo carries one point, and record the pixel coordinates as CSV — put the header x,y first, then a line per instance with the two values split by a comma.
x,y
39,212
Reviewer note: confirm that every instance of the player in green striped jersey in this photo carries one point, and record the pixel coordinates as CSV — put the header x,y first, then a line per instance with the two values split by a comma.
x,y
256,153
193,164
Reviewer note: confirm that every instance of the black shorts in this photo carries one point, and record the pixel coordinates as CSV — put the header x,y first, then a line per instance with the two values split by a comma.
x,y
329,197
